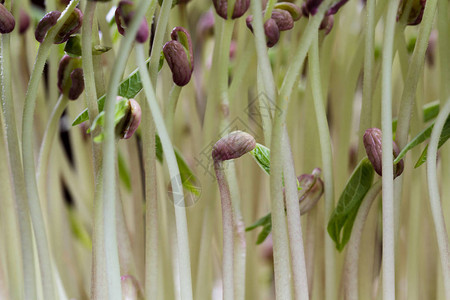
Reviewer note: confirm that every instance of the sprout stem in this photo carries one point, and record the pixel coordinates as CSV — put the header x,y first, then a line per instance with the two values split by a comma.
x,y
435,202
387,156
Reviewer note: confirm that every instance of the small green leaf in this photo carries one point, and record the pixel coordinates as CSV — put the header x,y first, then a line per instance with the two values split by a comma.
x,y
341,220
128,88
188,178
261,222
120,110
445,135
264,233
159,150
430,110
261,154
266,223
421,137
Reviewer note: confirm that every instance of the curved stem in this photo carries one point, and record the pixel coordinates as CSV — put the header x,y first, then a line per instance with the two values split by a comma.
x,y
40,232
180,211
414,73
352,256
109,157
47,141
433,191
299,275
16,171
387,157
228,233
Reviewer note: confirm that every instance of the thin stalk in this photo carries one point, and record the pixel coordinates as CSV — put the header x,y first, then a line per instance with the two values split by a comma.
x,y
15,166
388,251
365,119
279,231
40,232
47,142
151,200
299,275
228,233
414,73
98,280
109,158
158,40
353,248
265,71
444,44
240,247
180,211
222,69
327,156
169,113
435,202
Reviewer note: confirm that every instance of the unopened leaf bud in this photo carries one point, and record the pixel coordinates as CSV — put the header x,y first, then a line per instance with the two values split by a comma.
x,y
272,32
327,24
233,146
240,7
373,144
179,56
7,22
70,77
134,119
312,189
124,14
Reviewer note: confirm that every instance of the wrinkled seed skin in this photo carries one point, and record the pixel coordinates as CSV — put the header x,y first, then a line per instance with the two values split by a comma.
x,y
71,26
63,63
174,36
283,19
272,32
178,62
240,7
233,146
372,140
124,14
7,22
135,119
293,9
48,21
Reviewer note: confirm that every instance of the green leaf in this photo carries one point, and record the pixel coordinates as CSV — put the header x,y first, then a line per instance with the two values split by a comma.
x,y
188,178
128,88
120,110
124,173
445,135
341,220
420,138
261,154
430,110
266,223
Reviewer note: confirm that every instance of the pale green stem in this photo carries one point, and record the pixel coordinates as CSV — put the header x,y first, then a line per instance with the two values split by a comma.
x,y
353,247
267,87
365,120
388,251
327,160
98,280
177,189
444,37
240,247
279,230
47,142
169,113
109,157
158,40
16,171
299,275
40,232
435,202
414,73
228,233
